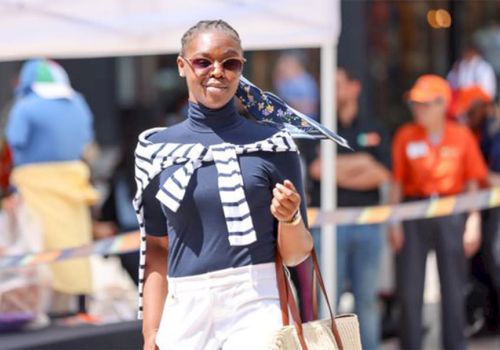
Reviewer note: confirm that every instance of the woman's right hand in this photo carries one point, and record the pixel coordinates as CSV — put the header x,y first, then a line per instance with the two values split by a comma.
x,y
150,342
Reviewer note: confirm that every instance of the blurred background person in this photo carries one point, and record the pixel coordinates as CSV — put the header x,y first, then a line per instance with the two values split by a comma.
x,y
298,87
434,157
471,106
472,69
477,110
360,174
48,130
294,84
5,152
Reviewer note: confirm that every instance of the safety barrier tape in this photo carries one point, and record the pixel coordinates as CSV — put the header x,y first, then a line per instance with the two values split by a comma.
x,y
123,243
427,208
422,209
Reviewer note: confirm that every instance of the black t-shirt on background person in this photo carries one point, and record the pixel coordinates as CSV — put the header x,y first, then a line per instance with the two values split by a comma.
x,y
368,136
363,135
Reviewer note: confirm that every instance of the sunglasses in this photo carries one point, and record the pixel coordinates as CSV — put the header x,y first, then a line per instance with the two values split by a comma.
x,y
202,66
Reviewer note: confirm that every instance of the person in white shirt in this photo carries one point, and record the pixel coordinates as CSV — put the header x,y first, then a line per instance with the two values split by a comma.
x,y
471,70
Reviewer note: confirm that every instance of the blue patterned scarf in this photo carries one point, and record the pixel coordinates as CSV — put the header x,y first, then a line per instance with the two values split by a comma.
x,y
270,109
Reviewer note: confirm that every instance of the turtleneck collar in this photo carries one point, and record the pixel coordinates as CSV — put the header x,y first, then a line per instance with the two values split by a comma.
x,y
204,119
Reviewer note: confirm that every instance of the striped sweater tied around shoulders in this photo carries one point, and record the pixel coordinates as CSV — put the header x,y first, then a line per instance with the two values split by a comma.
x,y
152,158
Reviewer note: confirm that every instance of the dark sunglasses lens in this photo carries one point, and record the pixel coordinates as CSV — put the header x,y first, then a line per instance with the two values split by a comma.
x,y
233,65
201,63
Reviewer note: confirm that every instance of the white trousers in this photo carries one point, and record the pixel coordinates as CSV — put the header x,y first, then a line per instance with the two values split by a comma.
x,y
236,308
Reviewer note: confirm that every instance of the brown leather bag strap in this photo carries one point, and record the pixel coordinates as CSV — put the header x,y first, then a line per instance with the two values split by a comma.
x,y
314,297
296,316
282,289
319,279
287,301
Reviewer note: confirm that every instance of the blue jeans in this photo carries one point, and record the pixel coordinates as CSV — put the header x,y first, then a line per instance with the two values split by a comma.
x,y
358,262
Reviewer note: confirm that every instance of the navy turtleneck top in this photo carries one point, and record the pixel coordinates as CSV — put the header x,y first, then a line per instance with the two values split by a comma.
x,y
197,232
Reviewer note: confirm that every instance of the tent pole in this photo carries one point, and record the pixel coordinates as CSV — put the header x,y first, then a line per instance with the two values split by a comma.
x,y
328,180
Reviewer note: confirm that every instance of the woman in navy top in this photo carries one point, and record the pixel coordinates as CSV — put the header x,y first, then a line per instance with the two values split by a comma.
x,y
212,191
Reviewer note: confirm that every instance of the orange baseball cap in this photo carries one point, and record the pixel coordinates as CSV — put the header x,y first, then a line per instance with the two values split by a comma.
x,y
428,88
465,98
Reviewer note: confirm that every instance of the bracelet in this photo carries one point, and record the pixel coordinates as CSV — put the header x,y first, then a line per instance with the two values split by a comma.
x,y
297,217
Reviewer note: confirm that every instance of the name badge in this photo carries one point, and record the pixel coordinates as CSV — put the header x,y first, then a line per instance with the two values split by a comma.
x,y
417,149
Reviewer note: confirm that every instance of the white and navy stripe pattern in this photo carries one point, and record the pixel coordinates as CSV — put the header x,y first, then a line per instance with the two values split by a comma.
x,y
152,158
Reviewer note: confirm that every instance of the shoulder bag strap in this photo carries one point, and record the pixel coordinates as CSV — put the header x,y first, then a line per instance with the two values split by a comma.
x,y
287,299
319,279
282,289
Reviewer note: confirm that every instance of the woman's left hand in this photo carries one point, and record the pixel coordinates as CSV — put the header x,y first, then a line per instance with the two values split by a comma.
x,y
286,201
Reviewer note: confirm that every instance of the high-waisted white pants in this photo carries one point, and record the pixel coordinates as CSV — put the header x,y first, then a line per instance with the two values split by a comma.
x,y
236,308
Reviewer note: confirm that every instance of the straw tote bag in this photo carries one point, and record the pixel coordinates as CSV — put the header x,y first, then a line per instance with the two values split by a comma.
x,y
340,332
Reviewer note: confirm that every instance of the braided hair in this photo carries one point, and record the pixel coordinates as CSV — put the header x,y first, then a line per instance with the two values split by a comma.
x,y
208,25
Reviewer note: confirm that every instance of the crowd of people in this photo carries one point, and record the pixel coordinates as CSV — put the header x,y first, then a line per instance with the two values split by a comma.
x,y
451,146
448,148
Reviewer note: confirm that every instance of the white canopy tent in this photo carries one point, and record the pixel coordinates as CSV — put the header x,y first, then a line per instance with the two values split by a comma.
x,y
98,28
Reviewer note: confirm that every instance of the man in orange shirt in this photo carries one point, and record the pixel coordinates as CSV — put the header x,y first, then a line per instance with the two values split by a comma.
x,y
434,157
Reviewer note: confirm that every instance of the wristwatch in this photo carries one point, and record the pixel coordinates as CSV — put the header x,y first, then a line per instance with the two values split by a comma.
x,y
296,218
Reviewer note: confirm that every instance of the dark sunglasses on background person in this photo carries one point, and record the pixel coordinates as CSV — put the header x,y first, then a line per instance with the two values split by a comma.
x,y
202,66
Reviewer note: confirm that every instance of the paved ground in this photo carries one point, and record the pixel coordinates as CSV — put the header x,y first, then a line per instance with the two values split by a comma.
x,y
432,317
432,338
475,344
